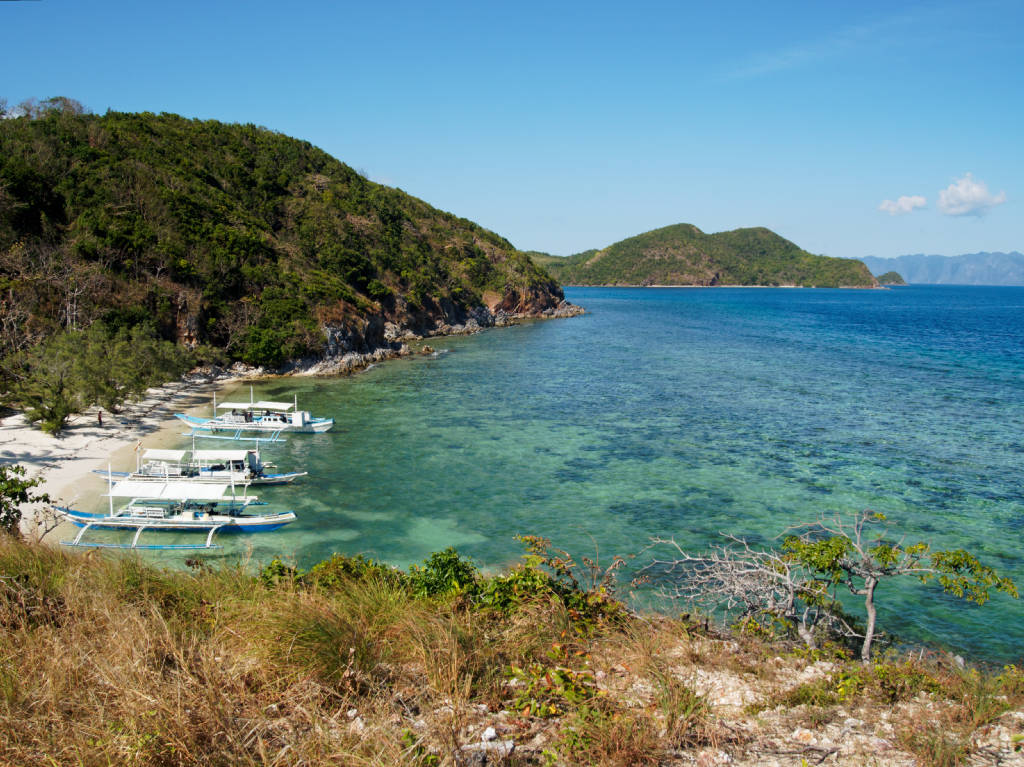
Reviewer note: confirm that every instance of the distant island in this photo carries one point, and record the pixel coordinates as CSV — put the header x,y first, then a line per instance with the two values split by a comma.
x,y
684,255
891,278
968,269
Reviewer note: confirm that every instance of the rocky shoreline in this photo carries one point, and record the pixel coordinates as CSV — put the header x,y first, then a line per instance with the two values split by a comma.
x,y
351,348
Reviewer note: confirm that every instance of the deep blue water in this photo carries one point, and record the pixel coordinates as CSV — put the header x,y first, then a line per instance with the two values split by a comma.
x,y
685,413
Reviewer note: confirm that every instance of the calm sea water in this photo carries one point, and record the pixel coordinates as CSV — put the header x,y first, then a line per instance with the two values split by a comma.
x,y
685,413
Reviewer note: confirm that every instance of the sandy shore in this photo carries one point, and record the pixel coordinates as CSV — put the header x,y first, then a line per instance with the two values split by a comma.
x,y
65,463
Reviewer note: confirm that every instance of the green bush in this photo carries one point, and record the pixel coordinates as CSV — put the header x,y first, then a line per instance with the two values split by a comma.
x,y
507,593
546,690
337,570
442,573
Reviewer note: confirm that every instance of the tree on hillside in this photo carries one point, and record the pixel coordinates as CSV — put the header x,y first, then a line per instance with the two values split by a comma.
x,y
15,490
797,585
254,241
34,109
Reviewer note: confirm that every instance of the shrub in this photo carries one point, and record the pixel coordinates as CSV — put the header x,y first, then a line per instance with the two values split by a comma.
x,y
442,573
600,734
551,690
337,570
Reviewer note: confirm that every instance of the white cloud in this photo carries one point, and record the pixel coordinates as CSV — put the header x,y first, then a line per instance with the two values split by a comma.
x,y
967,197
904,204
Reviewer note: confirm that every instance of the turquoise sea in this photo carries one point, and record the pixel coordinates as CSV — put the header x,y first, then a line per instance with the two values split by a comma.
x,y
685,413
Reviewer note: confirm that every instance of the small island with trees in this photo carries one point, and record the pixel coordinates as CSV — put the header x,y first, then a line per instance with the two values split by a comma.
x,y
891,278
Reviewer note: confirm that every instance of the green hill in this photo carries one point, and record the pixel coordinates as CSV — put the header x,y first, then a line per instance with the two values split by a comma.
x,y
891,278
232,236
684,255
543,260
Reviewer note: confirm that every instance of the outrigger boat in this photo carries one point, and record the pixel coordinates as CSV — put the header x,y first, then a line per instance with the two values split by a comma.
x,y
239,467
174,507
262,416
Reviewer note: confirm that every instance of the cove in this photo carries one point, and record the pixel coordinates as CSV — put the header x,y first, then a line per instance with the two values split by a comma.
x,y
684,413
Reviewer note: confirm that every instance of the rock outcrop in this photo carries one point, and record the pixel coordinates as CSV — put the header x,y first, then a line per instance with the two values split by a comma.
x,y
360,341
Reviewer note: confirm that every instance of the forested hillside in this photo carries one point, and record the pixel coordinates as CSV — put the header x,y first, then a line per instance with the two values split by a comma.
x,y
227,234
684,255
229,238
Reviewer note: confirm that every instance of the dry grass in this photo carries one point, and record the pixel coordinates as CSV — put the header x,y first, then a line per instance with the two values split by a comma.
x,y
108,661
111,661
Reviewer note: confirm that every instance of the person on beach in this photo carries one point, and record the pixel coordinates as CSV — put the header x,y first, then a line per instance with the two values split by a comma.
x,y
99,417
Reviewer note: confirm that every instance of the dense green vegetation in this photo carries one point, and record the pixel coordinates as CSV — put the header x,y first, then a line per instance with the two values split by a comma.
x,y
891,278
124,216
232,236
684,255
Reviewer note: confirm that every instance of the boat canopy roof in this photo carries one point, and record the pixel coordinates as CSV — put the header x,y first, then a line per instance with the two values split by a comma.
x,y
177,491
221,455
261,405
163,455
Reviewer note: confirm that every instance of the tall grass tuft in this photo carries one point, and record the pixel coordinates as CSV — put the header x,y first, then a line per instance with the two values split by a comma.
x,y
346,637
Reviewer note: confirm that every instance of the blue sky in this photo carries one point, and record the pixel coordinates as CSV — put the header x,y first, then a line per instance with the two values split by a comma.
x,y
566,126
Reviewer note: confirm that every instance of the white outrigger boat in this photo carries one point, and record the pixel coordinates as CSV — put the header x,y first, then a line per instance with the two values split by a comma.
x,y
174,507
238,467
263,416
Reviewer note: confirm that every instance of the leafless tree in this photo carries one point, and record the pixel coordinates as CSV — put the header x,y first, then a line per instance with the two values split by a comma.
x,y
750,583
44,521
240,317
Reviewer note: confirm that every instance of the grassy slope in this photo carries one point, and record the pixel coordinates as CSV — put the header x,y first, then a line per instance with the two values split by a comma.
x,y
684,255
110,661
227,234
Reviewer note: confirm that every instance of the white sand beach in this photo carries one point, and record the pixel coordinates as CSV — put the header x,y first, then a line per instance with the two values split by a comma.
x,y
65,462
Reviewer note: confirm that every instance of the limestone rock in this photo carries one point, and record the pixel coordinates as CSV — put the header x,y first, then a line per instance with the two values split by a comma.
x,y
484,753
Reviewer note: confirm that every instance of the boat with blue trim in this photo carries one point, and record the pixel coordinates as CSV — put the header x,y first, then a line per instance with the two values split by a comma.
x,y
263,416
174,507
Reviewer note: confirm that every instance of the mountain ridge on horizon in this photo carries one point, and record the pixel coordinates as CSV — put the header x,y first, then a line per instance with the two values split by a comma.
x,y
981,268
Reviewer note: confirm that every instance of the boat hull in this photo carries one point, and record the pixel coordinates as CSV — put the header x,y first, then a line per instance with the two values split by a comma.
x,y
222,523
316,426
